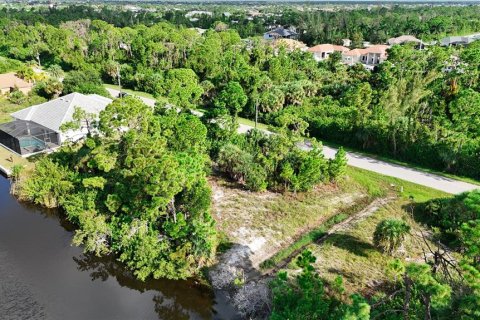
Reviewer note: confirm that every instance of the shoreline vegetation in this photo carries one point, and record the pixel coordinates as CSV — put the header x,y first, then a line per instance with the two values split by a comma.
x,y
285,232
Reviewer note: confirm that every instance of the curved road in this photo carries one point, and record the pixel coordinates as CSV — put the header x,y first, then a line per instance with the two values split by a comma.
x,y
423,178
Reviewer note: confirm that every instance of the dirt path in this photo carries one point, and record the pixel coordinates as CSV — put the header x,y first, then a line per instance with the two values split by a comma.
x,y
253,294
356,218
346,224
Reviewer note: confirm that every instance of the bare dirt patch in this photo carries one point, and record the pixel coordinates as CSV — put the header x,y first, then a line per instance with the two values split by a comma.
x,y
263,223
259,225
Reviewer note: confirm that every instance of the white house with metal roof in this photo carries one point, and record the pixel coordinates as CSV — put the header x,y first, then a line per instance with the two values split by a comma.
x,y
54,113
459,40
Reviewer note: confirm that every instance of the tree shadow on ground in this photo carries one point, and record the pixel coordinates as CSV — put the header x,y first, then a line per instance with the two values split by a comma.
x,y
350,276
351,244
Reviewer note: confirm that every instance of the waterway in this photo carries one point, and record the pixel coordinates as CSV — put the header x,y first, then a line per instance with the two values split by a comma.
x,y
44,276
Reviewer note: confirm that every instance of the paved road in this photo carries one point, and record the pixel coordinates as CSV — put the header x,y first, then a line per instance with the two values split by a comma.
x,y
433,181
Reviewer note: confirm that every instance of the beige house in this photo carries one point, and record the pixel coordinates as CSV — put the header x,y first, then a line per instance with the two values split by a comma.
x,y
370,56
10,81
353,56
323,51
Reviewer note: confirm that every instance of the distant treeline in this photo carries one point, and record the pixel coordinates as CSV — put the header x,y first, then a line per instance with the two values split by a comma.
x,y
315,24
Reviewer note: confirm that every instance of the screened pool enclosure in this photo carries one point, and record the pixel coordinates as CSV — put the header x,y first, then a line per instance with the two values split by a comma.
x,y
26,137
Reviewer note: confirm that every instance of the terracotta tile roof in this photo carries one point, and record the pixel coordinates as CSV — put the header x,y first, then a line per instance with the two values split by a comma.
x,y
355,52
10,80
379,48
327,47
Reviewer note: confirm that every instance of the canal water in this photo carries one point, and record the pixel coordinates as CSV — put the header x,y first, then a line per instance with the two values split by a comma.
x,y
43,276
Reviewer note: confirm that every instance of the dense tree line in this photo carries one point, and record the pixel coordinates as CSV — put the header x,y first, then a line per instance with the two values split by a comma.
x,y
314,24
420,105
136,188
276,162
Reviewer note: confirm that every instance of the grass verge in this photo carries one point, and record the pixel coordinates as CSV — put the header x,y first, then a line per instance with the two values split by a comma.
x,y
7,107
403,163
251,123
129,91
311,236
374,186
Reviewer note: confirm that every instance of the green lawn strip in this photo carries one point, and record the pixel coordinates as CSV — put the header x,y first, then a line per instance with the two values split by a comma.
x,y
375,186
310,237
129,91
378,184
251,123
5,160
7,107
402,163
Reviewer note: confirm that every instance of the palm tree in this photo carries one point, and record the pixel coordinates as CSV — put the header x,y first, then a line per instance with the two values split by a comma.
x,y
390,234
56,71
26,73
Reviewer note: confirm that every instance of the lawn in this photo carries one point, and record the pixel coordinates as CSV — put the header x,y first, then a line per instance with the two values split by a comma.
x,y
350,253
129,91
7,107
252,123
267,222
6,156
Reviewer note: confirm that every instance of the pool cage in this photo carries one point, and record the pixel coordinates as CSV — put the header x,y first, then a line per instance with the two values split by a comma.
x,y
26,137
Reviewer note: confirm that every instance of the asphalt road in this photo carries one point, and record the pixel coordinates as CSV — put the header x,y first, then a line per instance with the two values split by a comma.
x,y
431,180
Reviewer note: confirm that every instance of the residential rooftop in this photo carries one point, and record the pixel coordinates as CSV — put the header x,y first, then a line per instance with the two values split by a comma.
x,y
54,113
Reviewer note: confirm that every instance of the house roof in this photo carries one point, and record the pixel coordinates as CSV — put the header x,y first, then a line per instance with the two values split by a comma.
x,y
10,80
378,48
355,52
282,32
402,39
327,47
289,44
54,113
459,39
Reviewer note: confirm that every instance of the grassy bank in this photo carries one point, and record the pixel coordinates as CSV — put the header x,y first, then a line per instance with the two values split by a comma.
x,y
7,107
373,185
403,163
350,253
251,123
129,91
312,236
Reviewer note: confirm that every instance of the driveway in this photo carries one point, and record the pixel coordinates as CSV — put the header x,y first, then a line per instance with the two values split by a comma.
x,y
431,180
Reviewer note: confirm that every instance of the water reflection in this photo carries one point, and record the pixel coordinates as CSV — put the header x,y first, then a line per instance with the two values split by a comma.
x,y
173,300
36,249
